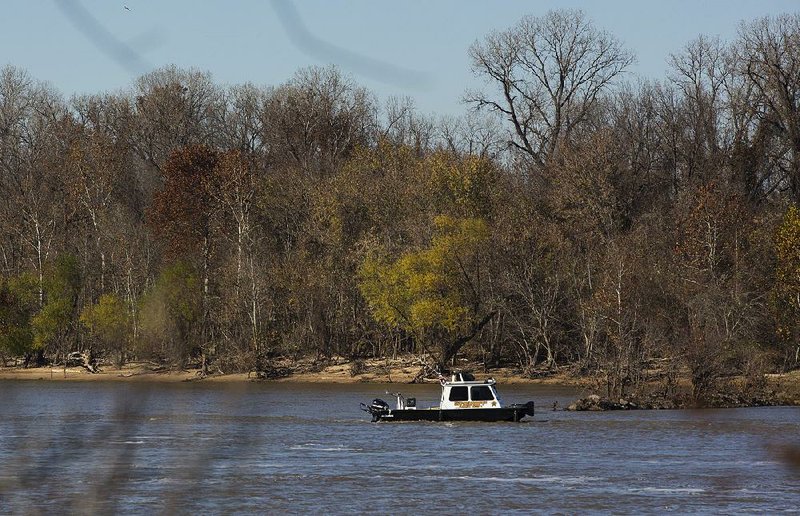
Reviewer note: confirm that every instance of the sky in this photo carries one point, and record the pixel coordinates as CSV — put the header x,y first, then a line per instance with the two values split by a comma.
x,y
401,48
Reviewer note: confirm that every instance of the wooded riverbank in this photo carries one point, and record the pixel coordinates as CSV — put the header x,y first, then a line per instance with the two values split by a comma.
x,y
736,391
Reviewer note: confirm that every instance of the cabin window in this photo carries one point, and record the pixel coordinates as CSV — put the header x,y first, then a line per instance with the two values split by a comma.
x,y
482,393
458,394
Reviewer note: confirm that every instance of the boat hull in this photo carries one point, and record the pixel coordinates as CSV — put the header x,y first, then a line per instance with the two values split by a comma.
x,y
511,413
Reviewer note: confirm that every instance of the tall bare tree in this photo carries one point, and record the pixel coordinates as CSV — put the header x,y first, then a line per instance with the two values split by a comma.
x,y
770,59
548,73
30,186
316,119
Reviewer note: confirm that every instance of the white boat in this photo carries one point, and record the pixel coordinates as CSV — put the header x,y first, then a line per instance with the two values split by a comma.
x,y
463,399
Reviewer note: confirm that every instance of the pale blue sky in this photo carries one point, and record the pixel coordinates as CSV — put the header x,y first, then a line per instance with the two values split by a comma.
x,y
415,48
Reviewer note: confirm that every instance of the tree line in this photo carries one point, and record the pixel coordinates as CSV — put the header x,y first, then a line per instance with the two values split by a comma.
x,y
572,216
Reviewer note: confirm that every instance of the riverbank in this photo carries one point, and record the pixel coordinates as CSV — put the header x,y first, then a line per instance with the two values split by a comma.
x,y
731,392
335,370
778,389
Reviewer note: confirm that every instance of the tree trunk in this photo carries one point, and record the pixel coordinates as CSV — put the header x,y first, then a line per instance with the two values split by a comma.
x,y
450,350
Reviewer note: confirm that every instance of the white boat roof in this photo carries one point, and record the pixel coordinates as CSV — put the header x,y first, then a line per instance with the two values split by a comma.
x,y
459,379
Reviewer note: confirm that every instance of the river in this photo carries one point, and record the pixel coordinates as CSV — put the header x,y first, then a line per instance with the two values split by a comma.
x,y
306,448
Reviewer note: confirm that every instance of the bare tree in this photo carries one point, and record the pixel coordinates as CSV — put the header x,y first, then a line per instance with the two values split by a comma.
x,y
174,108
29,184
316,119
403,125
549,73
474,134
769,58
535,318
243,124
700,73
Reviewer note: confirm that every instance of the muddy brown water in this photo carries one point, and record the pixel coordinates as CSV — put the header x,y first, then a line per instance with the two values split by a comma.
x,y
306,448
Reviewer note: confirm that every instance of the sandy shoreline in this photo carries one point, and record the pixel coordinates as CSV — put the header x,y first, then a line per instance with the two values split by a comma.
x,y
337,372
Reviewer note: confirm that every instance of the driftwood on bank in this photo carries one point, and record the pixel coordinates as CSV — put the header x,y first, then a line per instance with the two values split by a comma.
x,y
82,359
269,373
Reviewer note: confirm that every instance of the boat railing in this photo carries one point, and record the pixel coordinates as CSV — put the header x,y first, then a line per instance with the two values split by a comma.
x,y
403,403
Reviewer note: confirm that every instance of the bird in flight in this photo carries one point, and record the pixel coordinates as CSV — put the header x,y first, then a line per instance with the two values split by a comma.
x,y
126,7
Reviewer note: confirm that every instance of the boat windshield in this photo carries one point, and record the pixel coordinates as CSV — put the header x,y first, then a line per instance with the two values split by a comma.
x,y
458,393
482,393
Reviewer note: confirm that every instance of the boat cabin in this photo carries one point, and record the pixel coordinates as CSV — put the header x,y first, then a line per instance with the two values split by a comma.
x,y
462,391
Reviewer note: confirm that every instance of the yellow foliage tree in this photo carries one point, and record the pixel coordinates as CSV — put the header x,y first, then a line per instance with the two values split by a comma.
x,y
787,280
461,183
109,321
433,293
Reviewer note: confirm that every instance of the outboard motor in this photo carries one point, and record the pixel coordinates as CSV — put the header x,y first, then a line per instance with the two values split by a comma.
x,y
529,408
379,405
376,409
522,410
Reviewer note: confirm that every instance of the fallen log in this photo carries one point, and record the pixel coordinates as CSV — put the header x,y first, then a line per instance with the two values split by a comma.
x,y
85,360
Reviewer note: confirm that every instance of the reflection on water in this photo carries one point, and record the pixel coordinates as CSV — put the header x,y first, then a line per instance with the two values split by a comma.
x,y
93,447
